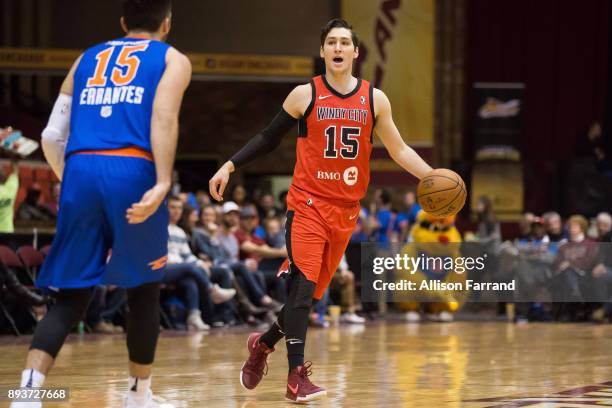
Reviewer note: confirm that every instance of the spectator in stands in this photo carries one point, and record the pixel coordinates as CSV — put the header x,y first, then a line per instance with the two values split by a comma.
x,y
604,225
188,198
590,143
229,223
575,262
239,195
525,224
206,246
265,207
52,207
382,218
532,234
343,283
230,243
488,230
602,273
407,217
274,235
255,196
600,149
9,186
554,227
31,209
533,270
251,246
202,199
192,274
257,255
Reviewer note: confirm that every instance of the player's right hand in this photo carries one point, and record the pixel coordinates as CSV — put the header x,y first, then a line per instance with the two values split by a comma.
x,y
148,204
218,182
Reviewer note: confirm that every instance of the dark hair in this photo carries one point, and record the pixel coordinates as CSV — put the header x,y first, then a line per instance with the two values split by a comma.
x,y
385,196
338,23
145,15
487,216
174,198
184,221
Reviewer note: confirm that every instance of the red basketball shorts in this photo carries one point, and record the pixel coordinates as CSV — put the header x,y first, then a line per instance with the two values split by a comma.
x,y
317,234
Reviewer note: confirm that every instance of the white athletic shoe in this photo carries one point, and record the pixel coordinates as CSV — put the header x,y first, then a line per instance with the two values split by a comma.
x,y
152,401
221,295
195,323
352,318
412,317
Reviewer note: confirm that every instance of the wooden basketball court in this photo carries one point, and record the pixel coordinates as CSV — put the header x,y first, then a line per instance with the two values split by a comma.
x,y
463,364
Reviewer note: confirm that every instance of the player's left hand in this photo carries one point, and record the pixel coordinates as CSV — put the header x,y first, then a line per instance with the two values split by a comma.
x,y
148,204
218,182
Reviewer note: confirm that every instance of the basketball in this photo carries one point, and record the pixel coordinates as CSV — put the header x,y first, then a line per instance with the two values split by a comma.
x,y
441,193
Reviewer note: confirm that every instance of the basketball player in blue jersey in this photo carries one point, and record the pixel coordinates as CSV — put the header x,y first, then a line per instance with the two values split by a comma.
x,y
115,126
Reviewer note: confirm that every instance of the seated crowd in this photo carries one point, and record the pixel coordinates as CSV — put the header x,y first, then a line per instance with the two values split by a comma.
x,y
223,262
221,270
567,268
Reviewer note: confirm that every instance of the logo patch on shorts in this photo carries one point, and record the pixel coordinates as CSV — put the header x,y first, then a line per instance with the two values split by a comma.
x,y
159,263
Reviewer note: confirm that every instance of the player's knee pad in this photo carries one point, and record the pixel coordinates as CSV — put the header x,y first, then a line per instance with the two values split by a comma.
x,y
301,290
143,323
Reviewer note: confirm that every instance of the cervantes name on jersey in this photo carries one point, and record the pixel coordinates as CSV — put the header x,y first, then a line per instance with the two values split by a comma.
x,y
114,91
335,142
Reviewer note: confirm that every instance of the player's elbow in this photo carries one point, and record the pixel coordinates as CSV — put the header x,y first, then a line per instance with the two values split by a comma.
x,y
49,135
51,140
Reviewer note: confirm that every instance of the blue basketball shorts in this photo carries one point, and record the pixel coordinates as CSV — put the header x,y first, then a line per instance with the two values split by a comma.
x,y
94,244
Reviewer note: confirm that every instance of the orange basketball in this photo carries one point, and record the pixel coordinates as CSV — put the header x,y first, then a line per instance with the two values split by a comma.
x,y
441,193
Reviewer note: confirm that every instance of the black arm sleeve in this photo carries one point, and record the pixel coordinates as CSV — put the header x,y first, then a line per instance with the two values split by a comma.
x,y
265,141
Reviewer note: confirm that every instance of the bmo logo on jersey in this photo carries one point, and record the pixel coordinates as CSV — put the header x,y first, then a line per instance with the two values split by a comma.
x,y
350,175
328,175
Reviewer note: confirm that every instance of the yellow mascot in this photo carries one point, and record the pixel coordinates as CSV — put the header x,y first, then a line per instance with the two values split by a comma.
x,y
432,238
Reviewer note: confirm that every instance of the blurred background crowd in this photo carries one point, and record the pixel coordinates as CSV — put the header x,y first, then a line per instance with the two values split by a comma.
x,y
223,261
514,96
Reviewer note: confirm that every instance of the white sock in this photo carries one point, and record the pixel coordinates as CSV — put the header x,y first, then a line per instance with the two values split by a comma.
x,y
32,378
138,387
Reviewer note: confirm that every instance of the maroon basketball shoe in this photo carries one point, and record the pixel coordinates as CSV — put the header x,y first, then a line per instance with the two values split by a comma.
x,y
256,365
299,387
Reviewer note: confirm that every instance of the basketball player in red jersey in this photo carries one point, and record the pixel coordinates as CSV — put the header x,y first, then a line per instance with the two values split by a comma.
x,y
337,116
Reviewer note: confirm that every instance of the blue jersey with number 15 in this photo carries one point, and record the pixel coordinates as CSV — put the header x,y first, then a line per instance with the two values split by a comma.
x,y
114,89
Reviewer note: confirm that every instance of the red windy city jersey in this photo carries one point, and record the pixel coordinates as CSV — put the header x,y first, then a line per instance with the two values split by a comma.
x,y
335,142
